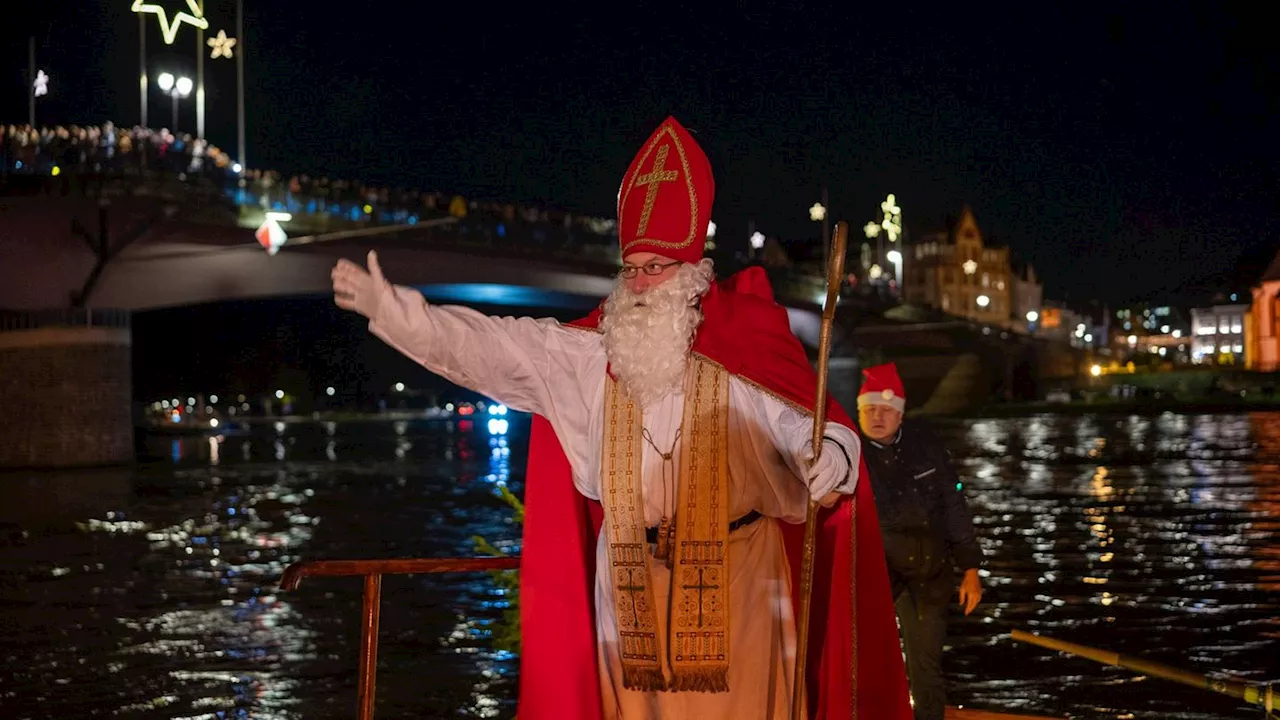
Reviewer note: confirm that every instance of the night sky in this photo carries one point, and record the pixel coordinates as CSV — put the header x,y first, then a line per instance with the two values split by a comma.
x,y
1129,154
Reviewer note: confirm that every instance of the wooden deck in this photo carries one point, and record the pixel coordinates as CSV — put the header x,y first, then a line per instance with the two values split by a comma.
x,y
967,714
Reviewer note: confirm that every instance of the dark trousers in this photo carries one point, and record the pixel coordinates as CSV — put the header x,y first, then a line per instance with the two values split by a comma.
x,y
924,628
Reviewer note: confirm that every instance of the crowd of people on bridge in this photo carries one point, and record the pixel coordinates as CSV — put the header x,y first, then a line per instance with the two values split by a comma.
x,y
112,149
107,148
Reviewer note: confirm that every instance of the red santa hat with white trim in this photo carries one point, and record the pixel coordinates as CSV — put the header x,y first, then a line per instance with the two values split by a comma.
x,y
882,386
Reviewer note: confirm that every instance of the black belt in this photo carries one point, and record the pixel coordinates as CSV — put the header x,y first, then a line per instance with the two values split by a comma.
x,y
651,534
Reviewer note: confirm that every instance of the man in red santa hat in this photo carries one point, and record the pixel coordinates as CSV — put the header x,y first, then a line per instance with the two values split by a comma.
x,y
927,529
669,472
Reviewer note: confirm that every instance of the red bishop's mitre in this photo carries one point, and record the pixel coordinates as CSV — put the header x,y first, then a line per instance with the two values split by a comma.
x,y
882,386
664,205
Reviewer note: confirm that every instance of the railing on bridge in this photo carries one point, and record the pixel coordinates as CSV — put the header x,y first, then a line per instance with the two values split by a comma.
x,y
12,321
145,161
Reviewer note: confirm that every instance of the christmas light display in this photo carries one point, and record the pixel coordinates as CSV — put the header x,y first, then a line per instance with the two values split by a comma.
x,y
169,27
41,84
222,45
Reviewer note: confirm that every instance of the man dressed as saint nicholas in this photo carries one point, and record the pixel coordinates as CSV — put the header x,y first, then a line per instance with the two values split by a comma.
x,y
670,468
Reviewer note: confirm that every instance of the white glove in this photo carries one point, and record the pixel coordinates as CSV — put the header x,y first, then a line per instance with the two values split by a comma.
x,y
831,469
357,289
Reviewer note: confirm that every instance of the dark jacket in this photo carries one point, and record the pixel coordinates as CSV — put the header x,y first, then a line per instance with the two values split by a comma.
x,y
925,521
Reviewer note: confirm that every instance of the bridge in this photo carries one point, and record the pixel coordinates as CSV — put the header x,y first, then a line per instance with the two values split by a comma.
x,y
90,232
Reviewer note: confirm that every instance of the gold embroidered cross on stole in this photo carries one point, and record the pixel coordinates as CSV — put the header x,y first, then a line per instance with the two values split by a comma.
x,y
697,643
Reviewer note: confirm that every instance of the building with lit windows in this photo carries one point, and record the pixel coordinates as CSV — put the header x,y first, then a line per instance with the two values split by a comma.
x,y
957,273
1150,320
1217,334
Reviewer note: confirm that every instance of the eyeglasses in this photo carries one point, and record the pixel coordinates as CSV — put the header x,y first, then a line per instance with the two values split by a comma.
x,y
653,268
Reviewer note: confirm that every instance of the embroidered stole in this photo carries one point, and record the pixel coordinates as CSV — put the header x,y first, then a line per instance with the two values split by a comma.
x,y
697,641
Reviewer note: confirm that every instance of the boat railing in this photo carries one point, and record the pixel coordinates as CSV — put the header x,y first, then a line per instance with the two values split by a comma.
x,y
372,572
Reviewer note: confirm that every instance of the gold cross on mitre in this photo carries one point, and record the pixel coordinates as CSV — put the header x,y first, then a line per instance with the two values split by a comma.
x,y
169,28
652,180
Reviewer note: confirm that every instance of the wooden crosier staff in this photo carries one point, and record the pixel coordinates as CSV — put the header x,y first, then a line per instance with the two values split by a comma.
x,y
835,275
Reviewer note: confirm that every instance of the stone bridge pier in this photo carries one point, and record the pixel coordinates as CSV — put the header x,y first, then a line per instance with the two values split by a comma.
x,y
66,389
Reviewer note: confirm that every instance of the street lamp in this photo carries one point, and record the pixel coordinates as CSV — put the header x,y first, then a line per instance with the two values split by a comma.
x,y
895,257
983,301
1032,316
177,88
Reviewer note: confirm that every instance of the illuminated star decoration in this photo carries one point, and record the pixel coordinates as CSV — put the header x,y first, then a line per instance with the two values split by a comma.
x,y
892,222
221,45
41,84
817,212
169,28
970,267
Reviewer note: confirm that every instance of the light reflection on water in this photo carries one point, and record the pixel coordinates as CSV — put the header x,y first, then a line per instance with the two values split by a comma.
x,y
151,593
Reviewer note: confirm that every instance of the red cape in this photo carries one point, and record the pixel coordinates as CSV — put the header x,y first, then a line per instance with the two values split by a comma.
x,y
749,334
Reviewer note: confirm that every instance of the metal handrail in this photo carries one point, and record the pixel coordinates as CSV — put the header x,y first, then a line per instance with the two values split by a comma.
x,y
372,571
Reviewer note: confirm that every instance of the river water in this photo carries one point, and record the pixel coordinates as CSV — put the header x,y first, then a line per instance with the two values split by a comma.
x,y
151,592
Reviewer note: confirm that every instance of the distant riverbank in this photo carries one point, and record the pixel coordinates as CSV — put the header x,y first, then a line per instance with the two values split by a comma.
x,y
1107,406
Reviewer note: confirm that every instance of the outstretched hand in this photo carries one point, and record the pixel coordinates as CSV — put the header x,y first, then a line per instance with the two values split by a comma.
x,y
357,289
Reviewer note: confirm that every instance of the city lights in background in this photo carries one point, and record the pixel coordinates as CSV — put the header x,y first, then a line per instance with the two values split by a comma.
x,y
498,424
888,227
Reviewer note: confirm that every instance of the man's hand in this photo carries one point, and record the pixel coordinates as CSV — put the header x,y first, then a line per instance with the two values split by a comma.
x,y
356,289
970,590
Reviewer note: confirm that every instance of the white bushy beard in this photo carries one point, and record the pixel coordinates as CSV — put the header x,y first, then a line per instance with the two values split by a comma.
x,y
647,336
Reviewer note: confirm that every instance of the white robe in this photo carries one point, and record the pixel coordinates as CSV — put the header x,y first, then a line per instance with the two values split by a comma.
x,y
542,367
